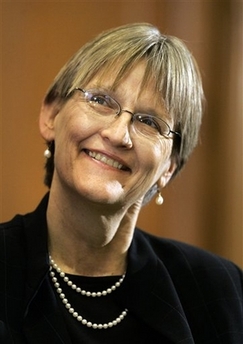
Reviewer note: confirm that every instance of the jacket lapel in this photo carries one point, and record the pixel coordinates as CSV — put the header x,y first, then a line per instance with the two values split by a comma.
x,y
43,322
151,294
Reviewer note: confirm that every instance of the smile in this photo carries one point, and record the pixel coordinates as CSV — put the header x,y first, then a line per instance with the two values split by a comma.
x,y
106,160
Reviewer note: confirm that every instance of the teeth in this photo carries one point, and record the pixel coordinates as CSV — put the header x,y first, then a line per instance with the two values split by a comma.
x,y
105,160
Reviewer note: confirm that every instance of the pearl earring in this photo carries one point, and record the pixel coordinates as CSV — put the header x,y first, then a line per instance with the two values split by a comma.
x,y
159,199
47,153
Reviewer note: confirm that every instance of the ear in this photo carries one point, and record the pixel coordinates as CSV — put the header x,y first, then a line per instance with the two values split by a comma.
x,y
46,120
167,174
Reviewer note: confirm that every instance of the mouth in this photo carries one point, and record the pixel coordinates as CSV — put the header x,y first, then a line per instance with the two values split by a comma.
x,y
106,160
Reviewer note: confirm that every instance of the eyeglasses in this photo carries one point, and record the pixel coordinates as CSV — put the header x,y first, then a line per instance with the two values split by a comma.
x,y
104,105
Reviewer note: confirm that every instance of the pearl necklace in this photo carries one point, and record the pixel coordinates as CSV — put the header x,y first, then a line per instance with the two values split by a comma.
x,y
81,291
69,307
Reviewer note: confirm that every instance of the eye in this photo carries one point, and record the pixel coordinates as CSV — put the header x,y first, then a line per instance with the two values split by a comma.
x,y
149,121
99,99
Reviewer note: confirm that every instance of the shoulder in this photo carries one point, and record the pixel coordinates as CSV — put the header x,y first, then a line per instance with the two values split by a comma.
x,y
12,229
22,232
187,261
12,241
209,287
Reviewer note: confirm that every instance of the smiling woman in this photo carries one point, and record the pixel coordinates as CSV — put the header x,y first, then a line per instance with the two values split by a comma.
x,y
111,134
122,49
120,120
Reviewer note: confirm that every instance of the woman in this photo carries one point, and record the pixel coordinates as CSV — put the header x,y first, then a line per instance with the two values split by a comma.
x,y
120,120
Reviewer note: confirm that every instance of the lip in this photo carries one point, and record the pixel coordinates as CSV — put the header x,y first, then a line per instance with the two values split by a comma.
x,y
107,159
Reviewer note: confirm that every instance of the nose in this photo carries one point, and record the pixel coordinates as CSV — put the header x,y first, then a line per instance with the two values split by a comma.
x,y
118,131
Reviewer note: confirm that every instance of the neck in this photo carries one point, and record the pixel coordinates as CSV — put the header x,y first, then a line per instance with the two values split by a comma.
x,y
87,238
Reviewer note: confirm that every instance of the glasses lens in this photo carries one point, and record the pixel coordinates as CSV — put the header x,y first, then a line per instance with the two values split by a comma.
x,y
151,125
102,103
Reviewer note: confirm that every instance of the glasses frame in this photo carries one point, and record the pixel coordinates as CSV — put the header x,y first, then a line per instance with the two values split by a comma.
x,y
134,115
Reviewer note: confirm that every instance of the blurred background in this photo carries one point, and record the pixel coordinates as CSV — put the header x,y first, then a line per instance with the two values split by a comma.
x,y
203,206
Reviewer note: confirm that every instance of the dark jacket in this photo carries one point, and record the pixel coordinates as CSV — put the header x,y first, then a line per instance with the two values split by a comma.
x,y
186,294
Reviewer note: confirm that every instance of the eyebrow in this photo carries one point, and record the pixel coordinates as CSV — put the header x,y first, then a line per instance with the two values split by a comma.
x,y
99,87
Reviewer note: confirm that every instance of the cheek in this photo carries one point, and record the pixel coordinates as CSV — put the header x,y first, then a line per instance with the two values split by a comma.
x,y
156,154
154,160
66,137
69,127
166,149
164,158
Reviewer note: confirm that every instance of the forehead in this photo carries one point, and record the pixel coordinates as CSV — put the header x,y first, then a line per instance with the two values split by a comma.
x,y
139,76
